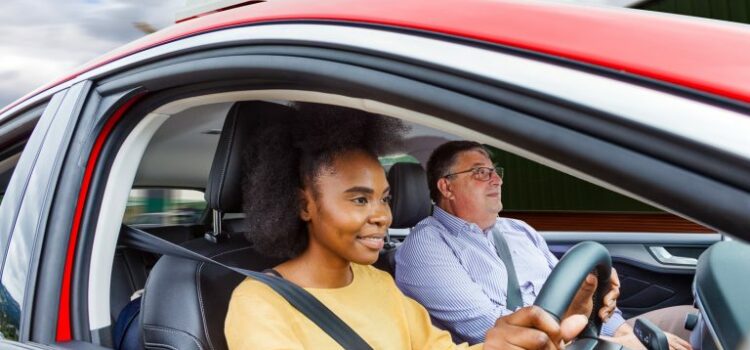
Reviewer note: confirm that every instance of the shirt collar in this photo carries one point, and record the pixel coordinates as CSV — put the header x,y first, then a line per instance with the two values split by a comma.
x,y
453,223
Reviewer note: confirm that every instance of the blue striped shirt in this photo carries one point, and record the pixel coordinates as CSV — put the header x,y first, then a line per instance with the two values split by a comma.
x,y
451,267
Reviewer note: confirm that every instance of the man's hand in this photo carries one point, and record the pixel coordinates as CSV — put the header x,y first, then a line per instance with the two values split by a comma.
x,y
677,343
533,328
625,336
583,301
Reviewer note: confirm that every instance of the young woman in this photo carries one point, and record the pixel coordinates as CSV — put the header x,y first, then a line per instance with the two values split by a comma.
x,y
316,194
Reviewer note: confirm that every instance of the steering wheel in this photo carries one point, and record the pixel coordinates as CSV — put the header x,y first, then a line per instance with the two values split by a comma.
x,y
565,280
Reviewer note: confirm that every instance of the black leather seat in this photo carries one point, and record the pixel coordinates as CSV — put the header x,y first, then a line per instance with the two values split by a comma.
x,y
410,203
131,267
185,302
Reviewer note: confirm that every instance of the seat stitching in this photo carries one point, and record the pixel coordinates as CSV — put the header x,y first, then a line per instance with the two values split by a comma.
x,y
200,294
161,345
170,330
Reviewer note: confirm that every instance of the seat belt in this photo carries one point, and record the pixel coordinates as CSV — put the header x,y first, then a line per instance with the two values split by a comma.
x,y
514,299
299,298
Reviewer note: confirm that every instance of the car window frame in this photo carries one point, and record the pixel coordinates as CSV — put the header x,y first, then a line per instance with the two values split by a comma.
x,y
25,214
421,100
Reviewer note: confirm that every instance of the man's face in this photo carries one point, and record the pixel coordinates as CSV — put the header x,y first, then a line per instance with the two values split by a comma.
x,y
469,198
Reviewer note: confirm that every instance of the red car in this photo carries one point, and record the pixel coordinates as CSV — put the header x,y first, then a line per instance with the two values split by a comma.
x,y
621,126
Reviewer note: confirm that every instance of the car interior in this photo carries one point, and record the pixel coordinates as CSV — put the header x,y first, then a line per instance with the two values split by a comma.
x,y
199,143
168,285
655,171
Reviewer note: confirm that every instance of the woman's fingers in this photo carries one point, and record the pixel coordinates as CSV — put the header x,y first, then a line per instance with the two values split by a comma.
x,y
528,338
528,328
572,326
589,283
582,301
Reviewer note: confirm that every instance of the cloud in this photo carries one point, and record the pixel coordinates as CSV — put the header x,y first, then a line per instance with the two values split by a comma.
x,y
43,40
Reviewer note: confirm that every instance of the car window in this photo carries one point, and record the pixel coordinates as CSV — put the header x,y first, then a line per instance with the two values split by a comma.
x,y
164,206
7,165
14,134
551,200
388,161
9,156
9,309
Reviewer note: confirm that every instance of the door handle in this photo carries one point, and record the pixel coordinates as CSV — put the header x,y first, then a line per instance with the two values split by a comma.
x,y
663,256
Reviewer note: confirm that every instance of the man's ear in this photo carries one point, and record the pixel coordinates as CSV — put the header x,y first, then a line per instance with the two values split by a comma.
x,y
443,186
307,205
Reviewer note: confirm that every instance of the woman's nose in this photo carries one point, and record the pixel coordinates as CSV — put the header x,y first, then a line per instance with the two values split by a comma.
x,y
381,215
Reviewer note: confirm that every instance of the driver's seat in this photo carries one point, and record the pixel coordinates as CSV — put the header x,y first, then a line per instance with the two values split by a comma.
x,y
185,301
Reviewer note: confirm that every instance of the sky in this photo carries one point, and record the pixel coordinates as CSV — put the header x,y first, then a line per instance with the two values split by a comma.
x,y
42,40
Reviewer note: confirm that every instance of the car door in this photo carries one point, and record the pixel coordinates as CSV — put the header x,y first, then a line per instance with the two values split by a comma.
x,y
24,212
495,114
655,252
656,270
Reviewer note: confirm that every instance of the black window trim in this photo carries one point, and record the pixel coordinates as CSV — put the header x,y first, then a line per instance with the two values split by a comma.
x,y
409,85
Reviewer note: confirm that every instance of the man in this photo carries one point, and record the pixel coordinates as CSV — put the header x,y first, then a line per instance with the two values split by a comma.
x,y
450,263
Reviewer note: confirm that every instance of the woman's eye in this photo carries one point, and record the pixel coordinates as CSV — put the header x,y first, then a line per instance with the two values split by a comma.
x,y
387,199
360,200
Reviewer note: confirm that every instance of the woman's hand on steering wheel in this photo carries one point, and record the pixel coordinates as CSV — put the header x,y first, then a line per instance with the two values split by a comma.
x,y
533,328
583,301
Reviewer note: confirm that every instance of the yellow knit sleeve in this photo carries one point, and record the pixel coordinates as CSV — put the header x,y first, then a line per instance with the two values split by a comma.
x,y
258,318
426,336
422,334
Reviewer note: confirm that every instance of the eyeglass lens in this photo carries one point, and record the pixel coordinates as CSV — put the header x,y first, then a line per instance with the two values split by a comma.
x,y
484,174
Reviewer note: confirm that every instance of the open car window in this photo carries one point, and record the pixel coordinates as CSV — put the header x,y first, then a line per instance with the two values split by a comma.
x,y
164,206
15,132
550,200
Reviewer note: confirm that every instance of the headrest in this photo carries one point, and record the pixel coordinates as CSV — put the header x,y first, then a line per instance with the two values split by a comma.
x,y
410,201
244,120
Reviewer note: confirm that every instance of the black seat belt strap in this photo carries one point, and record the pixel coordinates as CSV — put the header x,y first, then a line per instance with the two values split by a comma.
x,y
299,298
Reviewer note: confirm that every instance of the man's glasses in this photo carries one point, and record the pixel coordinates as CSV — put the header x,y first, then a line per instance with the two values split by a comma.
x,y
481,173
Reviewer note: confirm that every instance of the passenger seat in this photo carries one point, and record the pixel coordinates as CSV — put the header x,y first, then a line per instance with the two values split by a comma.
x,y
185,301
410,203
130,267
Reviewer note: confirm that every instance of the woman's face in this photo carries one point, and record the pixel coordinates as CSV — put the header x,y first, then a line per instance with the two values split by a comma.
x,y
348,214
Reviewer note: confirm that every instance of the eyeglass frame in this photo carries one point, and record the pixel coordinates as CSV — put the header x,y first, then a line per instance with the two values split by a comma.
x,y
500,171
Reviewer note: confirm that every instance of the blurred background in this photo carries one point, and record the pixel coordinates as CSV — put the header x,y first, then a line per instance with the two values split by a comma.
x,y
43,40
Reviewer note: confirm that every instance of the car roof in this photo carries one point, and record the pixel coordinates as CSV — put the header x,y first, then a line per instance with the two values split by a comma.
x,y
700,54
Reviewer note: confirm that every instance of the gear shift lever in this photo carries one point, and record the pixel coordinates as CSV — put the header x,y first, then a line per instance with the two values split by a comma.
x,y
650,335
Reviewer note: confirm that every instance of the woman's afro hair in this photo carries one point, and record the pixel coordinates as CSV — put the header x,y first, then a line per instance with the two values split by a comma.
x,y
289,154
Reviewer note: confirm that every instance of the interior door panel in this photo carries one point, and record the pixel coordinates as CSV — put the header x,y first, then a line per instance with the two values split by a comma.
x,y
656,270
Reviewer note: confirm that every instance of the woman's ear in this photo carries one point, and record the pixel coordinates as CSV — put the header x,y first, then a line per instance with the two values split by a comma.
x,y
307,205
443,186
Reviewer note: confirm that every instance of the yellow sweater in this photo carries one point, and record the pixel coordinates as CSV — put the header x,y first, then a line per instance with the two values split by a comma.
x,y
372,305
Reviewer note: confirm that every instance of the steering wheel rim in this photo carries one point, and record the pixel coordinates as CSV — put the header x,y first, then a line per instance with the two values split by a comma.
x,y
566,278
